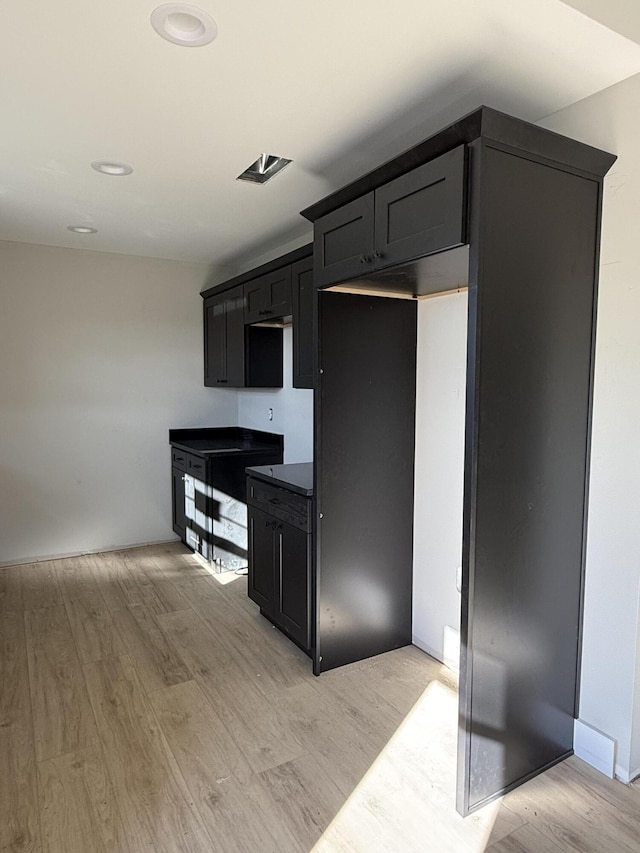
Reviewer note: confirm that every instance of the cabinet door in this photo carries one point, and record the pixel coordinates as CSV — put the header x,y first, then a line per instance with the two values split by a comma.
x,y
293,581
235,337
303,323
343,242
215,341
255,297
261,587
224,341
177,502
421,212
268,297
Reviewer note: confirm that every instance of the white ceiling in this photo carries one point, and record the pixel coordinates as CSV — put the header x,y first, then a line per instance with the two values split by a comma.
x,y
338,86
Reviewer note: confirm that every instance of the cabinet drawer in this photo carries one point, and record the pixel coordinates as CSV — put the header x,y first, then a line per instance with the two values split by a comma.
x,y
178,459
189,462
280,503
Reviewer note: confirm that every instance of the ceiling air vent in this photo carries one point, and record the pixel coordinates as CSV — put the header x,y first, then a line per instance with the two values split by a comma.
x,y
265,167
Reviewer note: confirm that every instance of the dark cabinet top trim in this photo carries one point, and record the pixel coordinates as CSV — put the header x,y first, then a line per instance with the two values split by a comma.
x,y
294,476
484,123
283,261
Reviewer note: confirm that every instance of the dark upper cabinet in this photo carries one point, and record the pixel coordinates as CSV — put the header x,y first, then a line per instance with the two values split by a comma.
x,y
417,214
235,356
303,323
343,242
268,296
422,212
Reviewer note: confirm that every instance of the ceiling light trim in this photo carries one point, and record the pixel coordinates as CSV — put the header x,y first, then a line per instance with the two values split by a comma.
x,y
263,169
82,229
183,24
113,168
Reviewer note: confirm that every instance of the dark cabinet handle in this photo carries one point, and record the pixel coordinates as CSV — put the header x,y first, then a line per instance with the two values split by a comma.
x,y
267,311
364,259
274,500
378,255
222,381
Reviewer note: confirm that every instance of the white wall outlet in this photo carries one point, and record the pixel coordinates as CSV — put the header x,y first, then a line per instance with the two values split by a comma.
x,y
270,416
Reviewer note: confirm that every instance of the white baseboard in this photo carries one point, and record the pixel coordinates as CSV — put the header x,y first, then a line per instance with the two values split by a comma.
x,y
425,647
594,747
107,548
623,775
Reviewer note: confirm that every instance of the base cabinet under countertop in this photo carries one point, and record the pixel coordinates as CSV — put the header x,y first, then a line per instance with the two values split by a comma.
x,y
280,561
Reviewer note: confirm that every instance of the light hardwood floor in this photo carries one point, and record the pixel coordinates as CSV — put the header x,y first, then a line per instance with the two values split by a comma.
x,y
145,706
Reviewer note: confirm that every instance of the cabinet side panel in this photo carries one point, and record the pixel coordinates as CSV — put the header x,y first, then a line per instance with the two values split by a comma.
x,y
532,292
365,476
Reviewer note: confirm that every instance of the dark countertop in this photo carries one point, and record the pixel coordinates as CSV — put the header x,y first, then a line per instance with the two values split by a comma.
x,y
210,441
296,477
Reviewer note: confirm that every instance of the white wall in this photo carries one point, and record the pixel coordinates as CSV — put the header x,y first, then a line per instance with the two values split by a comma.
x,y
439,474
610,691
292,410
100,355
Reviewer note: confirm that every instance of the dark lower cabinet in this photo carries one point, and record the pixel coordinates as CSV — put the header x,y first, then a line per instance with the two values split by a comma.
x,y
177,502
261,561
280,560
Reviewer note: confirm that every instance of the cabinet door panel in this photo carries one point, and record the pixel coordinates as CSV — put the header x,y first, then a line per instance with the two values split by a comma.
x,y
278,284
261,588
235,338
177,502
268,296
303,323
255,295
343,242
215,341
292,560
423,211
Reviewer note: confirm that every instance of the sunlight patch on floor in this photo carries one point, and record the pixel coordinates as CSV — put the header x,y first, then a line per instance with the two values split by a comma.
x,y
406,801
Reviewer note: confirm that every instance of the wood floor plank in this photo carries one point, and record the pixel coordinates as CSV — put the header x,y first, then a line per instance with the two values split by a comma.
x,y
11,589
218,776
158,662
155,805
78,582
526,839
94,631
306,798
255,642
19,808
259,725
79,810
40,586
62,717
548,800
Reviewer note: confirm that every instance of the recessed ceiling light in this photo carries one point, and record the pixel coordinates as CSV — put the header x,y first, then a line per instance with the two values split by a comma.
x,y
265,167
82,229
111,167
183,24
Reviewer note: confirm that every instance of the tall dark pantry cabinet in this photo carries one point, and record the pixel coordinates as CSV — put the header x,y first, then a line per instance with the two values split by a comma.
x,y
512,212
